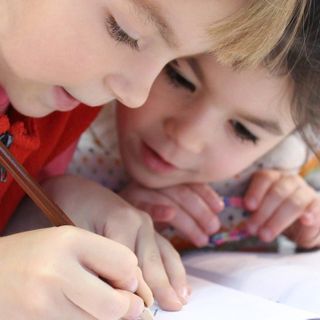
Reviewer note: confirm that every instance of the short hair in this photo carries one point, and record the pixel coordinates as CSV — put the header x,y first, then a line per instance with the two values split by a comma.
x,y
245,38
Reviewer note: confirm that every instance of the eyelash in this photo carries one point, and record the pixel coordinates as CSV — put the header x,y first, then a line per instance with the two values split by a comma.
x,y
118,34
243,133
177,80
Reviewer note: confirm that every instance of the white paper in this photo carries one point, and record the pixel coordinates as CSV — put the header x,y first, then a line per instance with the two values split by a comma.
x,y
292,280
210,301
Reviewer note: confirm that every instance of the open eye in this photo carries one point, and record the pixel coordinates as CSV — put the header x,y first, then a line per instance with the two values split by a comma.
x,y
118,34
242,132
177,79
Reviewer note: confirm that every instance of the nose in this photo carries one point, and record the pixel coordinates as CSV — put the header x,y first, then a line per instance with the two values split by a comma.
x,y
190,132
127,92
133,86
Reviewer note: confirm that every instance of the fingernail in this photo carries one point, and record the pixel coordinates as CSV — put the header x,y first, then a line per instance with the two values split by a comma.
x,y
136,310
266,235
184,294
202,241
133,285
219,204
213,226
252,228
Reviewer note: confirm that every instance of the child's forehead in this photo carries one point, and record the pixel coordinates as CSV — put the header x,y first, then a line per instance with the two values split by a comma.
x,y
180,21
210,70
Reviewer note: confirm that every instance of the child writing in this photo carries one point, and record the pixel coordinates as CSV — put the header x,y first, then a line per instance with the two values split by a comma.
x,y
240,131
59,55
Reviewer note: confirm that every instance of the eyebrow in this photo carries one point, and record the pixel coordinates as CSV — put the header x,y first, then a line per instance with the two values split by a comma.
x,y
154,16
271,126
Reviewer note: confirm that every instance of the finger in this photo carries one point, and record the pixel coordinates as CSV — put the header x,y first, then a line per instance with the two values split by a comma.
x,y
174,267
185,224
191,203
273,198
144,291
124,233
208,195
93,252
158,212
289,211
259,185
99,299
154,271
304,236
311,216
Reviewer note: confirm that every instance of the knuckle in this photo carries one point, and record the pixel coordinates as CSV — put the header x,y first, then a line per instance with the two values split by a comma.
x,y
146,219
267,175
133,216
183,192
66,236
154,257
280,190
118,307
297,202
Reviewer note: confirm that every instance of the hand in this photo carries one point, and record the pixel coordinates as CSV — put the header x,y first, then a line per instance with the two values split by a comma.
x,y
282,202
191,209
57,273
96,208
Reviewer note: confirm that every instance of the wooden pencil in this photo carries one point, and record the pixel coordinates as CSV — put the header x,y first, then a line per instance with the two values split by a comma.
x,y
32,188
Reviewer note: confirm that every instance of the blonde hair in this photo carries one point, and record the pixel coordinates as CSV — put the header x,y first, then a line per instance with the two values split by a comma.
x,y
247,37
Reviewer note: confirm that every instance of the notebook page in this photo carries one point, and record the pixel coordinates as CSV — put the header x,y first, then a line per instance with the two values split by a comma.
x,y
293,279
211,301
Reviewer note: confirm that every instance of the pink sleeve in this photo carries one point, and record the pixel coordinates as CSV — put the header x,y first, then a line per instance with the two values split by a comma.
x,y
59,164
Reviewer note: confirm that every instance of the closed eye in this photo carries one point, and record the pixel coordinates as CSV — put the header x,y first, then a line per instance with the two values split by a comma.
x,y
118,34
243,133
176,79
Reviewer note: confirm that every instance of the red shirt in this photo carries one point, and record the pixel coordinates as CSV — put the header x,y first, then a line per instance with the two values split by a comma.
x,y
36,142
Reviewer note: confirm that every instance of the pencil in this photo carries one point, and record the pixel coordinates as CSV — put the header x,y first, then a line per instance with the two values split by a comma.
x,y
32,188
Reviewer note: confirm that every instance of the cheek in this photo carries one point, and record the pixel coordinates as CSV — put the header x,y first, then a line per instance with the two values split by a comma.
x,y
138,120
228,165
130,123
50,53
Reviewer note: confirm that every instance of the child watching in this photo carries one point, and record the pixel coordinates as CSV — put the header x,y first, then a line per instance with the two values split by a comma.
x,y
56,55
240,131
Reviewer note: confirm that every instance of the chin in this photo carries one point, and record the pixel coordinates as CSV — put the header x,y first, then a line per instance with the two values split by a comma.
x,y
36,111
151,182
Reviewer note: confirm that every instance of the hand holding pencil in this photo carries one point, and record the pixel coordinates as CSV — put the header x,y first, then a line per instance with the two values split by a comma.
x,y
60,264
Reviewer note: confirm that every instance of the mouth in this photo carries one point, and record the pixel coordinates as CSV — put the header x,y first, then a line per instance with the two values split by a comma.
x,y
64,101
154,161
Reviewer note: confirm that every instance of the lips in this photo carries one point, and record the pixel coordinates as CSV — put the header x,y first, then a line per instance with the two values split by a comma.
x,y
154,162
63,100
